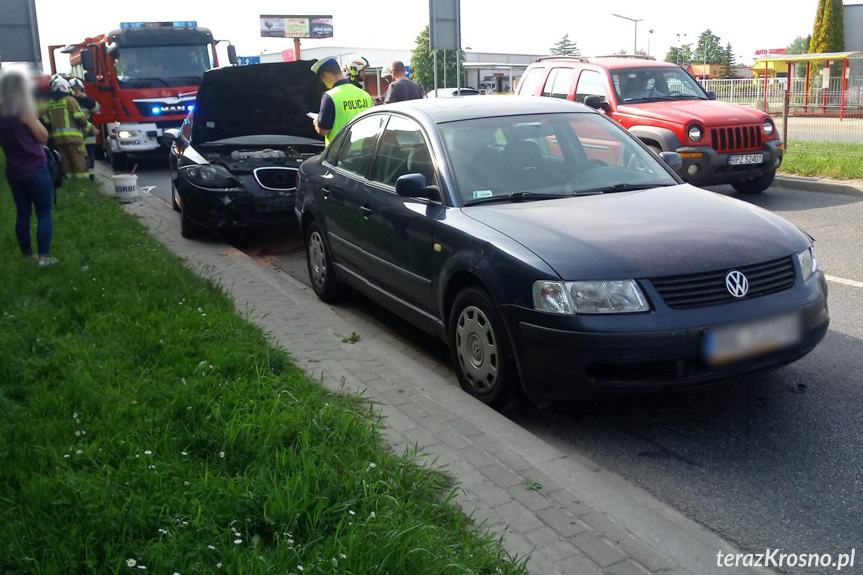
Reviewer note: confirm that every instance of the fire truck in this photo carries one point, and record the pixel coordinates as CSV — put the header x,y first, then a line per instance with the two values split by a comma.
x,y
145,76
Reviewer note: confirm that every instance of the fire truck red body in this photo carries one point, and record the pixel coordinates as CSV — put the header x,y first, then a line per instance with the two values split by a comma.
x,y
144,76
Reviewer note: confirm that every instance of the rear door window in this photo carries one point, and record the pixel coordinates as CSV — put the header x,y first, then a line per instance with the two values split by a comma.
x,y
530,82
590,83
561,84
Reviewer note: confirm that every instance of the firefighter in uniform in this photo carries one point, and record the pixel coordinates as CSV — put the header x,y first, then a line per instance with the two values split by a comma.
x,y
341,102
90,107
355,72
67,124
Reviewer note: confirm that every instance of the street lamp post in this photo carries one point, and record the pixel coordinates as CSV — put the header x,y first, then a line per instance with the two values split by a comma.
x,y
634,21
649,36
679,48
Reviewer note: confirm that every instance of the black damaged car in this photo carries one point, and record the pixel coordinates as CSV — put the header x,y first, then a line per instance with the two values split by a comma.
x,y
234,161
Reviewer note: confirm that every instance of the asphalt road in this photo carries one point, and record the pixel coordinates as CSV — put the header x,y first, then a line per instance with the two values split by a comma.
x,y
774,461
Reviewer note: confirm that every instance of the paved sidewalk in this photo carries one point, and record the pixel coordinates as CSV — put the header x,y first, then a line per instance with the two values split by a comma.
x,y
570,515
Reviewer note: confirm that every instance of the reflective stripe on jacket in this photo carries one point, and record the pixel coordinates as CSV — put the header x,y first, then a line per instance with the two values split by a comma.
x,y
67,120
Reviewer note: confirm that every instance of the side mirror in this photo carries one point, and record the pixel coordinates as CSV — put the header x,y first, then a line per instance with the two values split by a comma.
x,y
671,159
113,50
416,186
232,54
89,77
88,60
597,103
170,136
711,95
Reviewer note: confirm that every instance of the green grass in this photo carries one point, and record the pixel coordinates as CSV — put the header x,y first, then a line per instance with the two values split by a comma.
x,y
824,159
143,419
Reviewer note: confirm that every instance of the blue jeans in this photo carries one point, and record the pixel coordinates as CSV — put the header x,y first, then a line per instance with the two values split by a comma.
x,y
36,190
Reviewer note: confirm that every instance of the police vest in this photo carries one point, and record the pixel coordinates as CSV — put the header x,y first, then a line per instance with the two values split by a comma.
x,y
349,102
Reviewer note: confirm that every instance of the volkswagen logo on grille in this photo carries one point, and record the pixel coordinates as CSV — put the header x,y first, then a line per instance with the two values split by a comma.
x,y
737,284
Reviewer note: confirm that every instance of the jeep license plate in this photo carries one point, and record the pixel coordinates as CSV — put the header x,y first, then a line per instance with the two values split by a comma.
x,y
744,159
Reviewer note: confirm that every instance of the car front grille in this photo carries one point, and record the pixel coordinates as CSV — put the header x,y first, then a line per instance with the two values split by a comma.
x,y
706,289
736,138
277,179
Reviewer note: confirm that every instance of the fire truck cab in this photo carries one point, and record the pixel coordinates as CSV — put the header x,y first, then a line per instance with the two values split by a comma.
x,y
145,76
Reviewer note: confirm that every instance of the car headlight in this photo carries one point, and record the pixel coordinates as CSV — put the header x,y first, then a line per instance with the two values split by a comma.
x,y
695,133
126,134
768,127
808,262
209,176
589,297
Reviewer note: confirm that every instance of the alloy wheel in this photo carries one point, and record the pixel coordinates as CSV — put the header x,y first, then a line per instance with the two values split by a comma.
x,y
318,259
477,350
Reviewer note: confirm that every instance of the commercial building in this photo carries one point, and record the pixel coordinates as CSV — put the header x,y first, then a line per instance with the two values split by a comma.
x,y
853,27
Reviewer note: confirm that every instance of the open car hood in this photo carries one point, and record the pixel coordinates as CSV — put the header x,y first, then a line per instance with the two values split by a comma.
x,y
271,99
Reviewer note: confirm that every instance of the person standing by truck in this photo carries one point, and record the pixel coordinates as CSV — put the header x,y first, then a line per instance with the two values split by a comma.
x,y
22,138
90,107
67,124
341,102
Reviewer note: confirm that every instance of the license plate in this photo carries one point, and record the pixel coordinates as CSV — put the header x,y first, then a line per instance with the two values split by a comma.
x,y
743,159
739,341
273,204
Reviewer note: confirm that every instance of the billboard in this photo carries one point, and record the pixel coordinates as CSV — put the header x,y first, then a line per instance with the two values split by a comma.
x,y
19,32
297,26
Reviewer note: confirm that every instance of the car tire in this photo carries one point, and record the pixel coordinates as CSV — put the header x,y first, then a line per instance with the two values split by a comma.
x,y
188,228
481,352
320,265
119,163
755,185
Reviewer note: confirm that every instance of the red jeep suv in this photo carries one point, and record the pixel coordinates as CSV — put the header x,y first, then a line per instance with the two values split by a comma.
x,y
663,106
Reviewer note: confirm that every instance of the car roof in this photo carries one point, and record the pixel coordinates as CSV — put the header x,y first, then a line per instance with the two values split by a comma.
x,y
613,63
457,108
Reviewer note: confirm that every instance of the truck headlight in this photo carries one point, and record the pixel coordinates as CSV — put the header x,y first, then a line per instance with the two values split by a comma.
x,y
589,297
209,176
768,127
126,134
695,133
808,262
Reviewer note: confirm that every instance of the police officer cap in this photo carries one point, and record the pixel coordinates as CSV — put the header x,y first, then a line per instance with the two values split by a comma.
x,y
316,67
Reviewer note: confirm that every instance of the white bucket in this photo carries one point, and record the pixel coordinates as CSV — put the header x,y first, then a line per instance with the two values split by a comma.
x,y
126,187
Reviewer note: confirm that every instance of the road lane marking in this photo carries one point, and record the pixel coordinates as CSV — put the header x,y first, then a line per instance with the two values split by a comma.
x,y
837,280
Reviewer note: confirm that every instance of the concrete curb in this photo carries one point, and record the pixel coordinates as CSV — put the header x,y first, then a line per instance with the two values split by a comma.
x,y
622,514
818,185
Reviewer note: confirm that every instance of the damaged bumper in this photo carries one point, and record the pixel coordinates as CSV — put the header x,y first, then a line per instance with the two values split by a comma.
x,y
220,210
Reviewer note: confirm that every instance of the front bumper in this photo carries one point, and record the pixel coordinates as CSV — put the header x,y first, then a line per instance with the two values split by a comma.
x,y
239,208
712,168
137,138
571,357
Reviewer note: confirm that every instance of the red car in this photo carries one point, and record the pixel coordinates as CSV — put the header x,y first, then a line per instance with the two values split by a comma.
x,y
663,106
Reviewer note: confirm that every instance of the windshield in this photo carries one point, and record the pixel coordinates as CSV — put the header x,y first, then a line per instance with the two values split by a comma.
x,y
636,85
163,66
527,157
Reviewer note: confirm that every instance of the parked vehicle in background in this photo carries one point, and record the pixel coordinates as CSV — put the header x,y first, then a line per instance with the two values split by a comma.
x,y
235,159
554,252
663,106
144,77
453,92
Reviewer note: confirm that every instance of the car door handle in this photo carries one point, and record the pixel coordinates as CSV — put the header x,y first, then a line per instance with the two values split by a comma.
x,y
367,211
325,193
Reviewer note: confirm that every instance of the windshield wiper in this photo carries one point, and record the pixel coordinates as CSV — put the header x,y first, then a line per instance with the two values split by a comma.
x,y
514,197
622,188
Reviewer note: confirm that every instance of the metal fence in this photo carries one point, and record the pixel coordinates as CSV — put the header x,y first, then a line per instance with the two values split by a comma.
x,y
814,111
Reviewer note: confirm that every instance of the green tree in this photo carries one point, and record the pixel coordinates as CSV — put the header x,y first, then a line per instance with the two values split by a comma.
x,y
708,50
800,45
681,55
828,33
729,61
623,52
422,64
565,47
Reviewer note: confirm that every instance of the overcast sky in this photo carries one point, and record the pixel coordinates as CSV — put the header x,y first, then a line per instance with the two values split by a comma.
x,y
526,26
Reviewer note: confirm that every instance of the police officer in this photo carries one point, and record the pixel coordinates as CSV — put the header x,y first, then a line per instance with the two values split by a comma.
x,y
67,123
341,102
90,107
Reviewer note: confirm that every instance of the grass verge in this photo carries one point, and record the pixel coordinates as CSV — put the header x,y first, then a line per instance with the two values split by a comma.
x,y
824,159
145,422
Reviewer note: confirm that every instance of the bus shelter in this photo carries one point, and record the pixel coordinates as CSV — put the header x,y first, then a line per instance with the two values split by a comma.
x,y
817,92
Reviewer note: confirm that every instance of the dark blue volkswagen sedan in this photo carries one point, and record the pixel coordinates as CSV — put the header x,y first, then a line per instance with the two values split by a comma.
x,y
555,254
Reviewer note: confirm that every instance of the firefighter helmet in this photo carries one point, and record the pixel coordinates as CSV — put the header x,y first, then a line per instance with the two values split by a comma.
x,y
60,84
76,83
354,68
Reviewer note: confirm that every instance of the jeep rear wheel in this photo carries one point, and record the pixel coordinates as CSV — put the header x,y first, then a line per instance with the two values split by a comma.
x,y
755,185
